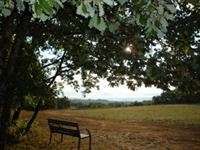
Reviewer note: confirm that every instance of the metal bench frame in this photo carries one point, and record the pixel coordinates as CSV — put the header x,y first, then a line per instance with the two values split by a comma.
x,y
68,128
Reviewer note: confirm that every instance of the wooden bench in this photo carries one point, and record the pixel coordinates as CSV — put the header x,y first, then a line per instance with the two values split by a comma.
x,y
68,128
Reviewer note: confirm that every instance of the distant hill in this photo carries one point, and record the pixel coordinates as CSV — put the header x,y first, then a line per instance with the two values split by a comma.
x,y
88,103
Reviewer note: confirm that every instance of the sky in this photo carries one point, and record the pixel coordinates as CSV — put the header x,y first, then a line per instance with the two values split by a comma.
x,y
121,93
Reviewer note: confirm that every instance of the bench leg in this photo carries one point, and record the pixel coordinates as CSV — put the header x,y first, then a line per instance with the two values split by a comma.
x,y
61,137
90,142
79,143
50,137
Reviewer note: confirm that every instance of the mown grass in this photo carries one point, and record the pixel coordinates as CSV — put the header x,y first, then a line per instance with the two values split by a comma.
x,y
184,114
110,130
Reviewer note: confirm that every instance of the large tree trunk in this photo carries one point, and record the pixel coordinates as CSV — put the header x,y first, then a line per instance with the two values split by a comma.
x,y
12,35
5,72
4,121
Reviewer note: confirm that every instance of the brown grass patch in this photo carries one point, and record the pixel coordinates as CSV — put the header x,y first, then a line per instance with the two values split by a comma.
x,y
112,133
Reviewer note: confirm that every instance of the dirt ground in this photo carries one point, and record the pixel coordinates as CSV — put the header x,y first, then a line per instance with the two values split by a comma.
x,y
114,135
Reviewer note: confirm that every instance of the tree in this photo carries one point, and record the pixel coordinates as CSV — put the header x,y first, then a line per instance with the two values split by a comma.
x,y
176,64
80,49
30,82
175,97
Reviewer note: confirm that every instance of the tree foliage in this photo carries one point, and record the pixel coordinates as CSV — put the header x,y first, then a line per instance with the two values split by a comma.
x,y
152,15
88,38
176,63
175,97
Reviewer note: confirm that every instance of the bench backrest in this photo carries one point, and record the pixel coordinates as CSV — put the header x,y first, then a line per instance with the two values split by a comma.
x,y
65,127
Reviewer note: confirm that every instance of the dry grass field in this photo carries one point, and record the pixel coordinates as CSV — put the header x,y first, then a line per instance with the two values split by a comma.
x,y
164,127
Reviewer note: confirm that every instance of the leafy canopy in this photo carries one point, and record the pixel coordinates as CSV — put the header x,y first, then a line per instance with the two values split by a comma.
x,y
152,15
176,63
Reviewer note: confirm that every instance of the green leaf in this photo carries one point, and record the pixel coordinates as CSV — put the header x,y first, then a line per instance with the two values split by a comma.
x,y
102,25
90,9
60,3
36,9
160,9
44,17
113,27
93,21
171,8
168,16
46,7
20,5
160,33
164,24
6,12
1,4
82,10
142,20
101,10
98,23
122,1
109,2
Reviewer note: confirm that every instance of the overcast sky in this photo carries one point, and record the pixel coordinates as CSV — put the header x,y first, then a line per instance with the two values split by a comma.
x,y
117,93
106,92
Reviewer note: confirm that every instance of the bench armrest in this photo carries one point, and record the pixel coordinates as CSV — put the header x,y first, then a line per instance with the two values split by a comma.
x,y
87,130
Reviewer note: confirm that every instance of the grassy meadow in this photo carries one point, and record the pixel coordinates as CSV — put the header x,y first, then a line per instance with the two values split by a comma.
x,y
141,127
184,114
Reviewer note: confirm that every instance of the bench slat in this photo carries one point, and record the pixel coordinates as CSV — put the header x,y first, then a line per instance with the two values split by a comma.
x,y
62,122
64,127
70,132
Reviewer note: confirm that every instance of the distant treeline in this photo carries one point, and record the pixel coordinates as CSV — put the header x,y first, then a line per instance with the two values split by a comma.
x,y
172,97
175,97
64,102
105,103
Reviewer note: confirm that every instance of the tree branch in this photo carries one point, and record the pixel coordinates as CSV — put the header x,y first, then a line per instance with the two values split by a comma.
x,y
52,63
58,69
